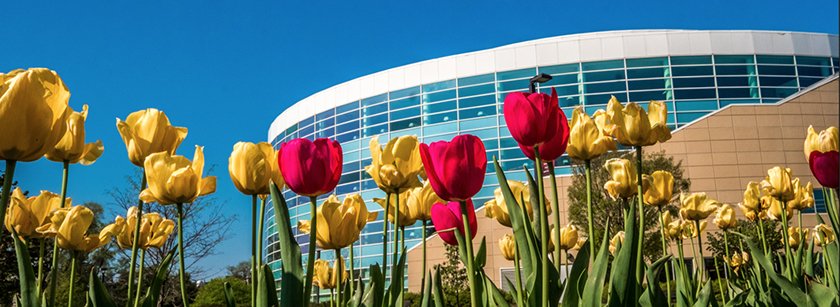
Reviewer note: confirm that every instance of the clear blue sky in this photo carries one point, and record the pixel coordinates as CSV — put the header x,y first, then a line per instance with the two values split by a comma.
x,y
226,69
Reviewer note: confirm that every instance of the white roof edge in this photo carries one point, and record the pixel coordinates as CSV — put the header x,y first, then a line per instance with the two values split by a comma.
x,y
556,50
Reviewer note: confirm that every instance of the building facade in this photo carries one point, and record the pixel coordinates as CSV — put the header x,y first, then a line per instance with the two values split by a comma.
x,y
697,73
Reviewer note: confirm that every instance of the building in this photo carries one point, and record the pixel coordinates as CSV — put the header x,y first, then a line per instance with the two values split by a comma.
x,y
735,101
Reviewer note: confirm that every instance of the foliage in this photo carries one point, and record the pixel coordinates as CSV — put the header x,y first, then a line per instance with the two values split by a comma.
x,y
212,294
609,212
240,270
454,278
9,279
750,229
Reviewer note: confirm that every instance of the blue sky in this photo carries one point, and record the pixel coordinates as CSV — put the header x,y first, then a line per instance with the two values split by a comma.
x,y
226,69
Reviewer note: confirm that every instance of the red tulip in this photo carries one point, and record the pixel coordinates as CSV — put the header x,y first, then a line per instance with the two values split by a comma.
x,y
456,168
531,117
556,146
826,168
448,216
310,168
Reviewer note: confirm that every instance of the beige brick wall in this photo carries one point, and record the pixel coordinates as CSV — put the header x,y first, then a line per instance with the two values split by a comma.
x,y
721,153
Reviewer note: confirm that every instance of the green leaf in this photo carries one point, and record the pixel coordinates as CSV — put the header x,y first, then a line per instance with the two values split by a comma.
x,y
481,255
394,291
153,292
375,291
28,288
823,296
292,282
794,294
98,295
427,292
653,295
623,282
831,252
266,290
809,259
594,288
574,282
705,295
437,289
230,301
520,224
498,299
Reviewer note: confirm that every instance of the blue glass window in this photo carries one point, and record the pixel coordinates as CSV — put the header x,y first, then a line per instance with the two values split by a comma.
x,y
559,69
685,117
724,103
439,129
347,116
514,74
374,100
439,107
404,124
697,105
291,129
730,92
476,80
371,131
778,81
733,81
407,102
513,85
328,113
411,91
476,101
478,90
805,81
647,62
405,113
603,76
648,84
651,95
691,60
373,110
347,107
507,142
479,123
305,131
691,71
694,94
770,92
477,112
569,101
734,59
566,90
810,60
561,80
776,70
442,85
346,137
603,65
307,121
605,87
439,118
735,70
601,99
694,82
349,177
375,120
442,95
813,71
648,73
774,59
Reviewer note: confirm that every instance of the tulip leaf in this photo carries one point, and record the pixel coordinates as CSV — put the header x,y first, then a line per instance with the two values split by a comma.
x,y
809,259
230,300
98,295
394,290
292,282
791,291
823,296
437,289
153,292
519,223
481,255
705,295
427,291
574,282
653,295
266,290
28,288
376,288
623,282
498,298
594,287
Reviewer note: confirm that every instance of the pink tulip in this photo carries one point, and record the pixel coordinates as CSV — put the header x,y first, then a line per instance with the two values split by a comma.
x,y
531,117
826,168
448,216
310,168
556,146
456,168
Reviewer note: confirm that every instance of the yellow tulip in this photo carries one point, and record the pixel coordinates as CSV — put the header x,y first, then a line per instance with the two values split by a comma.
x,y
779,184
173,179
420,201
396,167
616,242
325,277
738,260
673,228
725,217
581,241
405,219
774,208
25,215
796,236
339,223
823,235
148,131
587,139
496,208
697,206
70,226
632,126
752,197
72,147
622,183
827,140
568,237
507,245
154,229
33,113
803,198
688,229
661,188
253,167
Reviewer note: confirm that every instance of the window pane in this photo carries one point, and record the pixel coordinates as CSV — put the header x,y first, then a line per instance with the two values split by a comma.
x,y
663,61
777,92
483,111
651,95
404,124
477,90
478,123
438,129
371,131
513,85
411,91
347,107
733,81
559,69
692,71
605,87
373,110
647,73
342,138
347,116
439,107
374,120
601,99
476,80
648,84
810,60
407,102
561,80
438,118
603,65
443,95
736,93
774,59
476,101
567,90
442,85
814,71
778,81
694,94
805,81
689,116
724,103
698,105
405,113
776,70
690,60
569,101
694,82
328,113
514,74
735,70
347,126
307,121
734,59
374,100
603,76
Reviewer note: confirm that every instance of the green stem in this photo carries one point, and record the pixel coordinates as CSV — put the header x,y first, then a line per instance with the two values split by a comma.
x,y
260,233
681,263
40,264
591,230
761,234
141,264
253,250
720,282
639,196
470,257
65,171
700,249
665,252
181,272
310,263
544,239
72,280
385,233
339,273
423,280
556,207
785,238
332,297
520,300
726,268
402,280
395,260
7,191
135,239
352,268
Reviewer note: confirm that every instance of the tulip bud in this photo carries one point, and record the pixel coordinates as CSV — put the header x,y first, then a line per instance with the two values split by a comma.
x,y
339,223
696,206
174,179
779,184
616,242
796,236
725,218
456,168
803,198
532,118
496,208
148,131
25,215
326,277
311,168
587,138
568,237
824,166
70,226
420,202
253,167
823,235
447,218
632,126
396,167
507,245
72,147
661,188
623,178
827,140
404,218
774,208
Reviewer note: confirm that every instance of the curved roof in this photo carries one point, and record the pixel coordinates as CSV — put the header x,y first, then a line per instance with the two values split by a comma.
x,y
564,49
